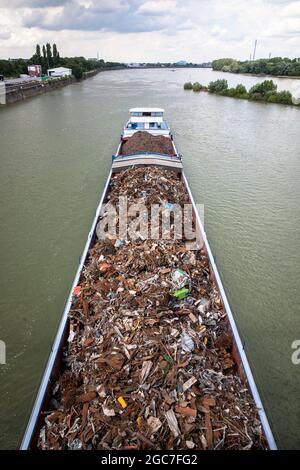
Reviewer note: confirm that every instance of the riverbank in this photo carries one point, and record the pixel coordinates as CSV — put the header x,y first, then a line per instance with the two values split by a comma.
x,y
13,93
20,91
265,91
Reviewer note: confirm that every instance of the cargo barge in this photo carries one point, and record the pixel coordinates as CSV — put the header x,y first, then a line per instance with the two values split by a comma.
x,y
147,354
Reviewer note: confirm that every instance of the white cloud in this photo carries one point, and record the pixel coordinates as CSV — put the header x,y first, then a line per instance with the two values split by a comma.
x,y
292,10
157,7
195,30
218,31
31,3
4,34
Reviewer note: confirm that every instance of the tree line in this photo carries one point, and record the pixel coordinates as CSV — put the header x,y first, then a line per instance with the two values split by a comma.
x,y
273,66
264,91
48,57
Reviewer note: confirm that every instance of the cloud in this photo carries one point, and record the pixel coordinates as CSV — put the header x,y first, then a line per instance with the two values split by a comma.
x,y
157,7
31,3
218,31
277,1
107,6
118,15
5,35
292,10
153,30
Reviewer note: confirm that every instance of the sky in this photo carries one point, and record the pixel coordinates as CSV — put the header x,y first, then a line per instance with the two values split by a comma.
x,y
151,30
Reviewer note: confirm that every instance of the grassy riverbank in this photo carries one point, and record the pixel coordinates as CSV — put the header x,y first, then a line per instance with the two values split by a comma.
x,y
265,91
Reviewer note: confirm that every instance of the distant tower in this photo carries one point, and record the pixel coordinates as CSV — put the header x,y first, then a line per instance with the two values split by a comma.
x,y
250,57
97,55
254,52
270,55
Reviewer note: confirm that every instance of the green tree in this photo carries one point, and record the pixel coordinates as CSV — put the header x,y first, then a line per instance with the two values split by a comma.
x,y
36,58
284,97
256,97
188,86
263,88
228,92
218,86
294,68
44,60
49,55
240,89
220,63
38,55
13,67
273,66
55,55
77,71
197,87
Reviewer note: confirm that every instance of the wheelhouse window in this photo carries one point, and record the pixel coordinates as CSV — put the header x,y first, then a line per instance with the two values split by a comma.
x,y
146,114
135,125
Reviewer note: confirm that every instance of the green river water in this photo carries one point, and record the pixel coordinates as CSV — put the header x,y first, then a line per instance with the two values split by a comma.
x,y
243,163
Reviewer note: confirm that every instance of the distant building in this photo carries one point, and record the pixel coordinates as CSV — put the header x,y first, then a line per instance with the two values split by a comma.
x,y
181,62
60,72
34,70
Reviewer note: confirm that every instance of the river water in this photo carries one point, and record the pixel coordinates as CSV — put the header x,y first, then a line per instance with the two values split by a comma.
x,y
243,163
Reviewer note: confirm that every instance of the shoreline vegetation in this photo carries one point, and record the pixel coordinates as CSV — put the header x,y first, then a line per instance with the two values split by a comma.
x,y
275,66
265,91
48,57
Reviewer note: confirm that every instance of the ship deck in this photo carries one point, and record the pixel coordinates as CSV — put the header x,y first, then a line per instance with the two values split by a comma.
x,y
144,159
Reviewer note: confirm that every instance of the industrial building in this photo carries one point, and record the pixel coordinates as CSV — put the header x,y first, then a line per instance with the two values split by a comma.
x,y
59,72
34,70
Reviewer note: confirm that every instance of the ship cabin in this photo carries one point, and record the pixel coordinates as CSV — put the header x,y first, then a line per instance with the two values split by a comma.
x,y
146,119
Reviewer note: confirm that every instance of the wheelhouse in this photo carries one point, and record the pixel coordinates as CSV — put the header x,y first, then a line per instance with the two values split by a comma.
x,y
146,119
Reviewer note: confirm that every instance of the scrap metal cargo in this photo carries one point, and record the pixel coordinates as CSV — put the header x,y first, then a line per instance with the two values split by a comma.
x,y
144,368
147,355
